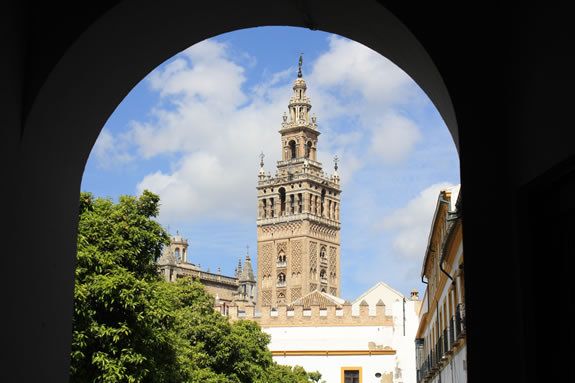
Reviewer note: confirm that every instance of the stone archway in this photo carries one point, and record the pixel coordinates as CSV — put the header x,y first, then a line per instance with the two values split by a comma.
x,y
92,76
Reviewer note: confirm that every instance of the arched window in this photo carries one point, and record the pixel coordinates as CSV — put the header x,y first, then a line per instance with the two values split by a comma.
x,y
281,281
281,257
322,252
292,149
322,201
322,274
183,255
308,149
177,253
282,201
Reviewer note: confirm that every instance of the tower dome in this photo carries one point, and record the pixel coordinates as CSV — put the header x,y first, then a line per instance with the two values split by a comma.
x,y
299,83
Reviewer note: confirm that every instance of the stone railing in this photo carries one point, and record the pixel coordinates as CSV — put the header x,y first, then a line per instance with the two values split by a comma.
x,y
299,217
266,181
204,275
314,316
298,160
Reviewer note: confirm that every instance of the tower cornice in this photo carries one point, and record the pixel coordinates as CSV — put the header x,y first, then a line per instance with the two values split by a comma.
x,y
292,127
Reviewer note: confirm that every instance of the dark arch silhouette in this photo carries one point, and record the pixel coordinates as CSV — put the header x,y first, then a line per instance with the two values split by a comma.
x,y
500,78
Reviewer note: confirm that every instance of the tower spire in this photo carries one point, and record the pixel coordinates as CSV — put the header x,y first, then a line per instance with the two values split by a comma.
x,y
300,196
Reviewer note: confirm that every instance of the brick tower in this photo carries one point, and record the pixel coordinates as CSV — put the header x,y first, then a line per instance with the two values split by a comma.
x,y
298,214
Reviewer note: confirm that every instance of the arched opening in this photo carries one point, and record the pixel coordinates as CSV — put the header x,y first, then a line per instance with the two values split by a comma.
x,y
322,203
282,192
308,149
282,258
104,97
292,150
281,280
320,194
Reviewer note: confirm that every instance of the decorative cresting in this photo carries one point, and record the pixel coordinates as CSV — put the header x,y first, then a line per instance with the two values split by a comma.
x,y
298,211
315,309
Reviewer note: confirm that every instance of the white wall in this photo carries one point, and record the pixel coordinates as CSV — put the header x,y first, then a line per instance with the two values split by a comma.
x,y
330,366
380,291
328,338
456,370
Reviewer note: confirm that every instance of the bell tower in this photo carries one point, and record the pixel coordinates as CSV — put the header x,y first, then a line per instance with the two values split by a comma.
x,y
298,213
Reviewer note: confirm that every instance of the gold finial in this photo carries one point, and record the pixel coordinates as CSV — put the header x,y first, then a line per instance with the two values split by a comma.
x,y
300,64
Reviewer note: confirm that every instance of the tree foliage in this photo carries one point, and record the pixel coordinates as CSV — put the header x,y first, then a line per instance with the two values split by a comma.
x,y
131,326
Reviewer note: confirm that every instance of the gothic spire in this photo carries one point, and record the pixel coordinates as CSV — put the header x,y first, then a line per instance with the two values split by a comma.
x,y
247,273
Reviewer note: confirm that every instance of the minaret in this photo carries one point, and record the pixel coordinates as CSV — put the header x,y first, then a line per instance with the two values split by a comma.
x,y
298,213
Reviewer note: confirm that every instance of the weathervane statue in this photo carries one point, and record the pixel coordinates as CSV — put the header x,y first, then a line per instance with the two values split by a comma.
x,y
300,63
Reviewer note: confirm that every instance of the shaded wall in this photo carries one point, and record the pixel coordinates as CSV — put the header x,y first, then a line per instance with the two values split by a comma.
x,y
501,78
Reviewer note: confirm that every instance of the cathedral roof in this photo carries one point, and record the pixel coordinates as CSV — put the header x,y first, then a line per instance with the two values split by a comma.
x,y
317,298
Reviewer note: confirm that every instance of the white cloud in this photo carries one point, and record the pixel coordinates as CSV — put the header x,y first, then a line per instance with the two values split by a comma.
x,y
214,129
360,70
393,138
110,151
202,186
411,223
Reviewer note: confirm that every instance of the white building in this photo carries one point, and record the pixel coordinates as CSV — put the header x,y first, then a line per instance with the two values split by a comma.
x,y
369,340
441,341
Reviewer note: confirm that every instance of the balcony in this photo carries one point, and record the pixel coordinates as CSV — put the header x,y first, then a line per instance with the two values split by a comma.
x,y
460,321
281,284
452,339
281,264
446,349
323,260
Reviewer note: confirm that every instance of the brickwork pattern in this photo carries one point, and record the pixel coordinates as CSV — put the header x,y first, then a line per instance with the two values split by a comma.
x,y
266,297
266,260
296,256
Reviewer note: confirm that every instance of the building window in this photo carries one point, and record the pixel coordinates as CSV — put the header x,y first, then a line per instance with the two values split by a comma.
x,y
177,254
282,201
292,149
351,375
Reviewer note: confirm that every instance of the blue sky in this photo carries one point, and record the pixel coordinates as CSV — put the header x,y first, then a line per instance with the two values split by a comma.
x,y
193,129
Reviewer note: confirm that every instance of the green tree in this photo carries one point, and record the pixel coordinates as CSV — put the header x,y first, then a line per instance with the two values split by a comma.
x,y
120,317
131,326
